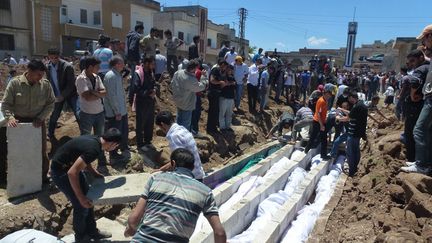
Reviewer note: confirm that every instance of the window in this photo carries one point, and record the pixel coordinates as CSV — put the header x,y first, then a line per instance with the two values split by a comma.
x,y
83,16
189,38
63,10
97,17
209,42
7,42
117,20
181,35
46,23
5,4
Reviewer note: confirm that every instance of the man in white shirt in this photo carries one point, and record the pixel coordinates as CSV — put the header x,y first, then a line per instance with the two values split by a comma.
x,y
265,59
241,71
23,60
252,85
179,137
231,56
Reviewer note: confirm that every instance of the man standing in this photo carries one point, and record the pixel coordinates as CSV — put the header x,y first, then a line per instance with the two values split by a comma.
x,y
231,56
91,91
179,137
356,129
154,218
142,98
171,44
9,60
150,43
423,128
241,71
252,86
29,98
223,51
115,106
160,65
305,84
257,55
62,78
193,48
132,47
104,54
184,85
67,168
264,86
217,82
319,125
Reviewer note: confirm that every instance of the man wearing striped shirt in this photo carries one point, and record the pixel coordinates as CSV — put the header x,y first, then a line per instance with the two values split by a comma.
x,y
171,203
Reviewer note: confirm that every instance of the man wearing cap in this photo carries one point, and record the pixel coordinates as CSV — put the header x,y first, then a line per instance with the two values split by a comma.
x,y
423,128
319,124
241,71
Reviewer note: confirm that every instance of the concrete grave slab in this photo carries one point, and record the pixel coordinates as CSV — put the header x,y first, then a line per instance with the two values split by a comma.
x,y
117,189
114,227
288,212
24,173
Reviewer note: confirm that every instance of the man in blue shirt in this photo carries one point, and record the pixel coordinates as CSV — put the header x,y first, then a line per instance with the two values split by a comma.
x,y
305,78
104,54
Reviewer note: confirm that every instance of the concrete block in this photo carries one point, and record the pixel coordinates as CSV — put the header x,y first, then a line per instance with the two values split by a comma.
x,y
289,209
114,227
117,189
24,173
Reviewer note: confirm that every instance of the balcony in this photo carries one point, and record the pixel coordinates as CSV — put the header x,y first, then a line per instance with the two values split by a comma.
x,y
83,31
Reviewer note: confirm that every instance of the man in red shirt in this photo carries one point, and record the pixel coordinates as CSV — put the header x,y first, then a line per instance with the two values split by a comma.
x,y
318,125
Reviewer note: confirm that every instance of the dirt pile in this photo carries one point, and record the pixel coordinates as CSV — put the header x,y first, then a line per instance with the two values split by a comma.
x,y
382,204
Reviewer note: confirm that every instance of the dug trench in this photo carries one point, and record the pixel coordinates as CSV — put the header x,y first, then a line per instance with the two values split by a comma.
x,y
381,203
50,211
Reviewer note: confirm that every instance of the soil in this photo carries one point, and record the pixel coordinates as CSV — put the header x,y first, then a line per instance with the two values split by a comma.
x,y
50,211
382,204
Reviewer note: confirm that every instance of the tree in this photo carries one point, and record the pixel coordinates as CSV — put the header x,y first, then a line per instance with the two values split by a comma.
x,y
252,49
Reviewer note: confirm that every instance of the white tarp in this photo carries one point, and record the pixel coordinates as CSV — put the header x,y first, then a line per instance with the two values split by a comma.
x,y
304,224
29,235
268,208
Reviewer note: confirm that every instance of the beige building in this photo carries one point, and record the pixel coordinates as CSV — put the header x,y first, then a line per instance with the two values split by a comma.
x,y
15,32
187,21
75,24
68,24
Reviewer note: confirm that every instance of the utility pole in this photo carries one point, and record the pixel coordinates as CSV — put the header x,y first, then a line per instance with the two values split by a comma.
x,y
242,29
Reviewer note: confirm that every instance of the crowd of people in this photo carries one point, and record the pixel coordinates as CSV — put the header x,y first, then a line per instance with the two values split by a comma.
x,y
322,99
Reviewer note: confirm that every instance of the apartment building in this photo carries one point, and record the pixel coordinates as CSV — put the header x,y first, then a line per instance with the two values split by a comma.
x,y
71,24
15,28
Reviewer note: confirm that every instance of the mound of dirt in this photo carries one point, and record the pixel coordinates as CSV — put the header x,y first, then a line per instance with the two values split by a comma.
x,y
382,204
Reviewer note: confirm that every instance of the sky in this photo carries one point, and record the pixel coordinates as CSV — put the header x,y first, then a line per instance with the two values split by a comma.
x,y
289,25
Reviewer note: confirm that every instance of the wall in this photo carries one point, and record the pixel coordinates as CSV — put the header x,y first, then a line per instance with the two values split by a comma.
x,y
143,14
19,27
74,7
44,24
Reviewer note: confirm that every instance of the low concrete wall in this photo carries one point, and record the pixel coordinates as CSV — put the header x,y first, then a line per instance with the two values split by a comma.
x,y
241,214
273,231
225,173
